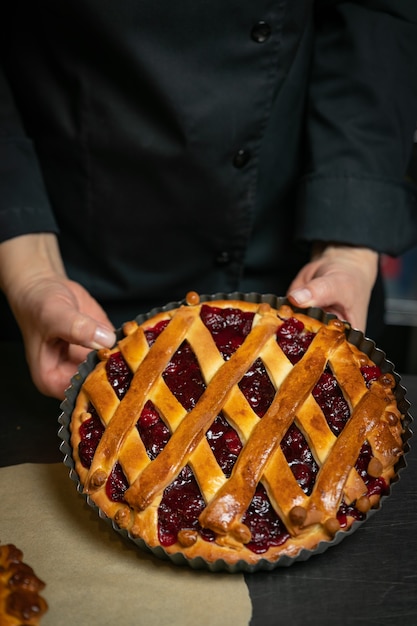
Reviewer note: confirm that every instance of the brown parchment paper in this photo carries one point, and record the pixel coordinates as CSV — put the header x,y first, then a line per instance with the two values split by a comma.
x,y
95,577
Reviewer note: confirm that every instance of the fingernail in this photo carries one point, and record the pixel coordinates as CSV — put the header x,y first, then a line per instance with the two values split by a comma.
x,y
301,296
104,338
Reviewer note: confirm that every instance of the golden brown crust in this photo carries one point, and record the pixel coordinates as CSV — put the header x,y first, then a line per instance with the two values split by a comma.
x,y
20,601
309,519
160,473
229,505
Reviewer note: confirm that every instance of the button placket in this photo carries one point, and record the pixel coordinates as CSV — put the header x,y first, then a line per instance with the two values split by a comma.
x,y
260,33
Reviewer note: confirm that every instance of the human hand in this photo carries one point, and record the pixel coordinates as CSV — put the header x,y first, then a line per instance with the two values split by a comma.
x,y
59,320
338,279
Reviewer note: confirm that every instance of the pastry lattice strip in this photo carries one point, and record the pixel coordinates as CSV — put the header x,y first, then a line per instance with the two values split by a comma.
x,y
148,479
189,430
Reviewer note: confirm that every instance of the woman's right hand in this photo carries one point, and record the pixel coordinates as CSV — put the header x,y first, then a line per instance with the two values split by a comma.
x,y
60,322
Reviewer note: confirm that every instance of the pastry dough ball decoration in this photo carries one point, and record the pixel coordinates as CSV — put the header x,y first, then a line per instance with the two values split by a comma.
x,y
231,430
20,601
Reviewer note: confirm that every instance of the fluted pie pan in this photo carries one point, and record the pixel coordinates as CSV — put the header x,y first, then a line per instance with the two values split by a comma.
x,y
127,472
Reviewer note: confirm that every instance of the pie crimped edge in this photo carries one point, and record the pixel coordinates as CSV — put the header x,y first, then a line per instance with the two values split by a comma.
x,y
301,546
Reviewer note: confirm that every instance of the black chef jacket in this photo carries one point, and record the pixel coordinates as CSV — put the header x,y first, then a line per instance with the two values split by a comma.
x,y
193,144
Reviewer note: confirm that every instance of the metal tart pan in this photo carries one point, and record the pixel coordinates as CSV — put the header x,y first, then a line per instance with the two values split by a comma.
x,y
354,336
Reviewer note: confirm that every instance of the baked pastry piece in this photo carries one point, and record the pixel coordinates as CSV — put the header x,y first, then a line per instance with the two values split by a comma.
x,y
20,602
230,430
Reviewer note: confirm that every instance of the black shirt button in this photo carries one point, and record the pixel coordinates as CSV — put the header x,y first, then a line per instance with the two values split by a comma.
x,y
241,158
223,258
261,32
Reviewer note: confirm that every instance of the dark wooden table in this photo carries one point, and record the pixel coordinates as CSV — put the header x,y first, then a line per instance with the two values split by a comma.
x,y
370,578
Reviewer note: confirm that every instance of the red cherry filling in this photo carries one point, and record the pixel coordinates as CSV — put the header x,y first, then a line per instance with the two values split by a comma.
x,y
180,508
376,486
228,327
182,501
116,484
119,374
266,528
257,388
299,458
293,339
91,432
330,399
183,377
152,430
370,373
225,444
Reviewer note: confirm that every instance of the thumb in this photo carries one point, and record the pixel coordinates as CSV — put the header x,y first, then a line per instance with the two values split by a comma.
x,y
330,295
317,292
82,330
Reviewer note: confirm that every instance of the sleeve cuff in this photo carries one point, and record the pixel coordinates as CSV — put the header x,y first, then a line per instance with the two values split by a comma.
x,y
367,212
24,203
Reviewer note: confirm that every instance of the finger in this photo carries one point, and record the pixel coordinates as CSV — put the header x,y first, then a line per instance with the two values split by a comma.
x,y
300,296
333,296
56,365
320,292
54,382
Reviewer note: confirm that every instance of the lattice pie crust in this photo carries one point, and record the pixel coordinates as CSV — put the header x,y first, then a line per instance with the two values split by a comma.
x,y
308,517
20,602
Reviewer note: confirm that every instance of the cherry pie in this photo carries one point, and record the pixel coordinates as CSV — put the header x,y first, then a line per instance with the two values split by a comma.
x,y
20,602
230,430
